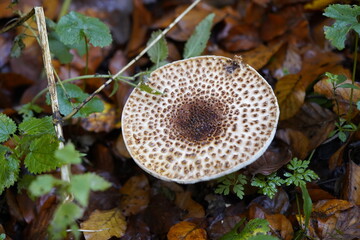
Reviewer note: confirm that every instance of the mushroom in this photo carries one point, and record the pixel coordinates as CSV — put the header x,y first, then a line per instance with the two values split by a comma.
x,y
216,115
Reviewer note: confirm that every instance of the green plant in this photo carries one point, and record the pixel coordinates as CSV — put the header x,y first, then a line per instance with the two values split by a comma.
x,y
267,184
346,20
232,182
255,229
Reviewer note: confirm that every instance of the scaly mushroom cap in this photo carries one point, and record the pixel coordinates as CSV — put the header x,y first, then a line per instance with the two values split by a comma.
x,y
215,116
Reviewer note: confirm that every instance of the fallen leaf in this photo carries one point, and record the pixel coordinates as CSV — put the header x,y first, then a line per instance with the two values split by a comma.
x,y
278,204
351,190
184,201
277,155
326,208
186,231
105,224
279,224
260,56
120,147
221,226
318,4
297,140
104,121
290,93
135,195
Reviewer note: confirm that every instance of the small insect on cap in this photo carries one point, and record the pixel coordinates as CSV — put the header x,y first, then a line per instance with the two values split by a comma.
x,y
215,116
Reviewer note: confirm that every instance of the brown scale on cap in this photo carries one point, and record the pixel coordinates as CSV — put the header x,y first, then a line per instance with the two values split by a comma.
x,y
215,116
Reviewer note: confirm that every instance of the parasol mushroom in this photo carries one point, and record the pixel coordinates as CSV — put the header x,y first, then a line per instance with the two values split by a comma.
x,y
216,115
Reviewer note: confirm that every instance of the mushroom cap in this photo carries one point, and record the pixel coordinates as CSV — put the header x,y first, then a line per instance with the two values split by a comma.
x,y
216,115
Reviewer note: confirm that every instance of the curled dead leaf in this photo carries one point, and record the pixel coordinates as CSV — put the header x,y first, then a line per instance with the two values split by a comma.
x,y
279,224
186,231
326,208
184,201
351,191
104,225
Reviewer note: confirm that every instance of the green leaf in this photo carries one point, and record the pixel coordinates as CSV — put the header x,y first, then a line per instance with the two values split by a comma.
x,y
68,154
7,127
2,236
307,204
73,27
346,19
358,105
17,46
27,110
59,49
342,136
43,184
73,96
9,170
41,156
65,215
146,88
159,51
197,42
349,85
36,126
81,185
254,228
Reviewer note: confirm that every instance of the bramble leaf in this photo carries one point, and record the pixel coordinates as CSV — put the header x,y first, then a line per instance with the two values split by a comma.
x,y
65,215
43,185
159,51
7,127
81,185
59,49
68,154
76,96
17,46
36,126
196,44
74,27
27,110
41,156
346,19
9,170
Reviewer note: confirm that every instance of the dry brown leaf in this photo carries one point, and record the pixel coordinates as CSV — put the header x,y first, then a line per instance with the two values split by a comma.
x,y
279,224
186,231
290,93
120,147
313,121
342,96
105,224
184,201
135,195
328,207
336,160
351,191
260,56
104,121
297,140
276,156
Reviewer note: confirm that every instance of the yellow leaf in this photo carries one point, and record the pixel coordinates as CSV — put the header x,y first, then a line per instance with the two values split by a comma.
x,y
290,93
105,224
186,231
318,4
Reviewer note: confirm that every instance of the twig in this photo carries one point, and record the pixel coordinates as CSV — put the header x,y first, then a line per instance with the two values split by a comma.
x,y
75,110
19,22
40,19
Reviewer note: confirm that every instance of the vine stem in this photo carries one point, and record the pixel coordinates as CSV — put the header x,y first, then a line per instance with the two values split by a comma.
x,y
40,20
353,73
75,110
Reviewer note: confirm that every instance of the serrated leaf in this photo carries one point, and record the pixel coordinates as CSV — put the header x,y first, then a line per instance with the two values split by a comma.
x,y
59,49
76,96
68,154
18,46
7,127
146,88
65,215
196,44
159,51
81,185
9,170
73,27
27,110
36,126
41,157
106,224
43,185
346,19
